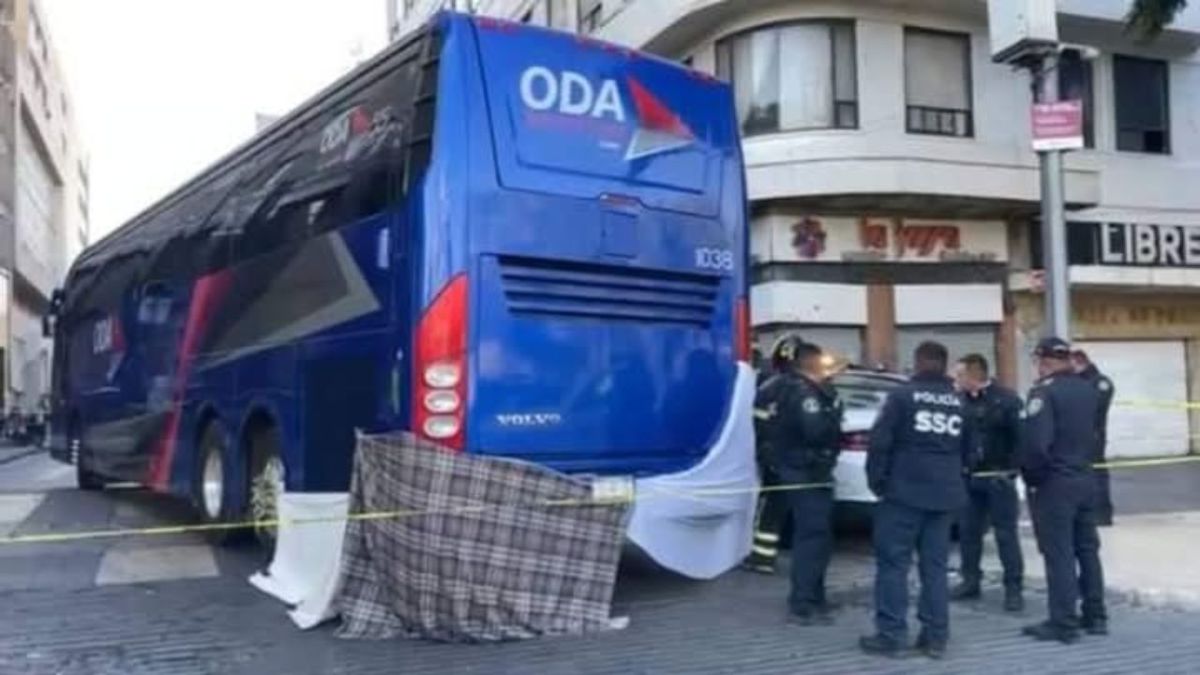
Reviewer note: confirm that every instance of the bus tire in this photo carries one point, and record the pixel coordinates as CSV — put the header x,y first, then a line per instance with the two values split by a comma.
x,y
267,483
213,486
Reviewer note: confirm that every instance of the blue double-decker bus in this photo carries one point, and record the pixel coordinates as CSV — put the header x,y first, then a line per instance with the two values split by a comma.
x,y
508,240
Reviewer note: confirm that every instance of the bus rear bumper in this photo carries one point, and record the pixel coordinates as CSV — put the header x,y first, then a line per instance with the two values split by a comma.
x,y
699,522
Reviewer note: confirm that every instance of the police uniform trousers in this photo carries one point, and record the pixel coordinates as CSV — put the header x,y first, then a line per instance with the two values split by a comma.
x,y
1063,510
772,512
1103,499
812,540
991,502
899,531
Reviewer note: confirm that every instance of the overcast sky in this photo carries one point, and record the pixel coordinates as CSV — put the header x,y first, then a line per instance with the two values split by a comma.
x,y
163,87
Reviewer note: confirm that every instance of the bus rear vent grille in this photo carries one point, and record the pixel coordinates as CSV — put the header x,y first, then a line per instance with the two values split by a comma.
x,y
608,292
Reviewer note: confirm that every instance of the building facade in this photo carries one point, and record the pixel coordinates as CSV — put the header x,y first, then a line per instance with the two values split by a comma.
x,y
43,197
895,195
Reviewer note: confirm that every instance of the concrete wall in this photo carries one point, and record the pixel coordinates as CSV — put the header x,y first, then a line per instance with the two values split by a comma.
x,y
44,171
880,156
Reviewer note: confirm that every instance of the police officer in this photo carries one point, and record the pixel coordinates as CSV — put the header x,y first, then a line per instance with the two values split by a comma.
x,y
916,463
1088,370
994,412
804,450
1058,445
772,504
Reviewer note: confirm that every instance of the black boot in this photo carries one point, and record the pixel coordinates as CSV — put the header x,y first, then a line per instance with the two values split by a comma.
x,y
759,563
879,645
967,590
934,649
1096,627
1014,601
1048,632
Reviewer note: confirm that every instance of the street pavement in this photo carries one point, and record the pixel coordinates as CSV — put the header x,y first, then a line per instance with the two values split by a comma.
x,y
173,604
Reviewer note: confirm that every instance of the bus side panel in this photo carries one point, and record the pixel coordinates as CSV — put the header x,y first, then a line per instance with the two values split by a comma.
x,y
347,371
304,329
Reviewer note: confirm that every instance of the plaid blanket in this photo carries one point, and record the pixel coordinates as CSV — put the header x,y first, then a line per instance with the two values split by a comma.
x,y
486,560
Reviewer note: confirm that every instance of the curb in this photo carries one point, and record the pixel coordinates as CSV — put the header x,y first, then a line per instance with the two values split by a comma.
x,y
1159,598
20,455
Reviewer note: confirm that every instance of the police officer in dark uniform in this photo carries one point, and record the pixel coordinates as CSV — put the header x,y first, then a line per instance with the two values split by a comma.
x,y
772,504
916,464
1088,371
1058,446
995,415
804,450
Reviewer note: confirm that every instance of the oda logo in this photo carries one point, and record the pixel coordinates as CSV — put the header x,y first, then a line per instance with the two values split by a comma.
x,y
570,93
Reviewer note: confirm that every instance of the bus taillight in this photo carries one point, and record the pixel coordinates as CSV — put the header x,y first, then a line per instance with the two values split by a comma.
x,y
741,340
441,367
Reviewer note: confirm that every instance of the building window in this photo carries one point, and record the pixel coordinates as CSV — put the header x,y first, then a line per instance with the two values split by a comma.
x,y
1143,118
792,77
937,82
590,12
1075,83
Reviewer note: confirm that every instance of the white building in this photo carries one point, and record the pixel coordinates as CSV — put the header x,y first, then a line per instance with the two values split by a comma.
x,y
894,192
43,197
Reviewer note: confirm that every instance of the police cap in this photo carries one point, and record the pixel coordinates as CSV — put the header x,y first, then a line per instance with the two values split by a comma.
x,y
1052,348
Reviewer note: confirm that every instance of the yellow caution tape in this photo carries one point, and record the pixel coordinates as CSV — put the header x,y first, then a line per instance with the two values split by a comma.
x,y
62,537
1150,403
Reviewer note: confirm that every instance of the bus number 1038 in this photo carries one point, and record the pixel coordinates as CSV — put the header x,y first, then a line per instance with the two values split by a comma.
x,y
714,259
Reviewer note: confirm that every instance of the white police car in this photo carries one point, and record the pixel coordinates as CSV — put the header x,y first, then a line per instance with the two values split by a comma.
x,y
863,393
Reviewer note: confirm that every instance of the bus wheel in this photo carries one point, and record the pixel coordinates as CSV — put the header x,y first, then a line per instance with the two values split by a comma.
x,y
85,478
266,485
212,484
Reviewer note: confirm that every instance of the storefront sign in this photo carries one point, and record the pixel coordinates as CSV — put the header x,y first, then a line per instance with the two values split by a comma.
x,y
837,239
1058,126
1130,313
1121,316
899,239
1148,245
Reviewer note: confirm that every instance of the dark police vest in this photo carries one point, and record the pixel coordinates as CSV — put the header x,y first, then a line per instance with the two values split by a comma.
x,y
995,416
766,415
1105,389
1059,431
805,432
920,446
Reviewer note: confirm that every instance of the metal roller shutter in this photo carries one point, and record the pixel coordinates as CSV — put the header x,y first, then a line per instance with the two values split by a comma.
x,y
1145,371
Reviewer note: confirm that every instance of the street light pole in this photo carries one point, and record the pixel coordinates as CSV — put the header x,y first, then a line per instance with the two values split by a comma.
x,y
1054,226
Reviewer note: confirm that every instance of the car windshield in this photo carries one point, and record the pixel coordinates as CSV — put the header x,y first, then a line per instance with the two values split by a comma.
x,y
860,391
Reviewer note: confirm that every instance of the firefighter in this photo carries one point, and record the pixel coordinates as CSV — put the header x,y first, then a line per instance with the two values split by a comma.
x,y
917,461
995,413
1058,446
772,504
1104,386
